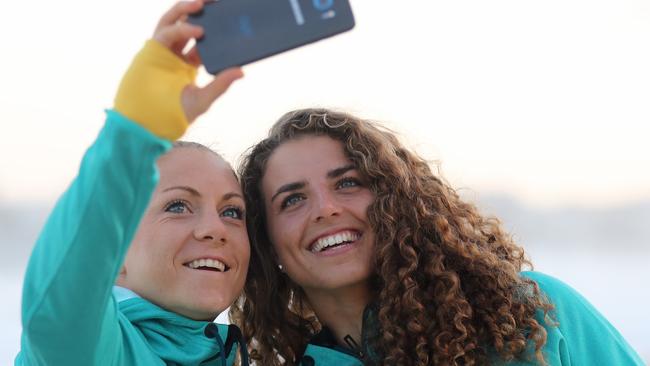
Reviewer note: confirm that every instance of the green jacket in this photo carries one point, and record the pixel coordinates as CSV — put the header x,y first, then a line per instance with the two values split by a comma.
x,y
582,337
70,315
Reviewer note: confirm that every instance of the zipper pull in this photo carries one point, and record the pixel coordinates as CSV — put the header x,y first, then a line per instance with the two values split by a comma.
x,y
353,345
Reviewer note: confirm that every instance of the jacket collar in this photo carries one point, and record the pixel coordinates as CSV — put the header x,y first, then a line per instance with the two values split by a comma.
x,y
177,339
366,352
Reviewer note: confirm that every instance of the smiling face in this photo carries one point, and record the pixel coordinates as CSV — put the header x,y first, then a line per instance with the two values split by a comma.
x,y
316,203
190,253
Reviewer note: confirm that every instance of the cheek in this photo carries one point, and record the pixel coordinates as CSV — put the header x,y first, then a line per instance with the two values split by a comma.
x,y
136,258
282,233
162,246
365,204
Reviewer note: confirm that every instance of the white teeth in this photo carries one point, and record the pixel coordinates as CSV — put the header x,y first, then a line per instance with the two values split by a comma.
x,y
207,262
335,239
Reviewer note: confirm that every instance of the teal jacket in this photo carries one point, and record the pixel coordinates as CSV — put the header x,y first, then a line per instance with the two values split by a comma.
x,y
70,315
582,336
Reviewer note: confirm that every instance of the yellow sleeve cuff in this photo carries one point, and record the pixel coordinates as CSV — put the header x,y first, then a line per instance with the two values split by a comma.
x,y
150,91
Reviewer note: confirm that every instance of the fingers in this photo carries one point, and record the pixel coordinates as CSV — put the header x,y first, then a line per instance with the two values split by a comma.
x,y
179,11
177,35
192,57
172,30
197,101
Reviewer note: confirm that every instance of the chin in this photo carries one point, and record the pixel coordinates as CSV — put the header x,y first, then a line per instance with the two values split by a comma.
x,y
203,310
205,314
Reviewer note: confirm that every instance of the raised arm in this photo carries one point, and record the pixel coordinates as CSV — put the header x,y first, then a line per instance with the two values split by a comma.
x,y
68,314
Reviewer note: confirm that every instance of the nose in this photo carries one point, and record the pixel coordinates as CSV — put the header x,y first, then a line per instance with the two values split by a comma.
x,y
326,206
210,227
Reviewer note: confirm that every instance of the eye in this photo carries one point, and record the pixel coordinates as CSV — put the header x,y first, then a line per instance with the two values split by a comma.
x,y
233,212
348,183
177,207
291,200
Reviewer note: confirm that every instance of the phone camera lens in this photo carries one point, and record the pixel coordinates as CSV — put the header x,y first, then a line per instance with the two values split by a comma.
x,y
323,5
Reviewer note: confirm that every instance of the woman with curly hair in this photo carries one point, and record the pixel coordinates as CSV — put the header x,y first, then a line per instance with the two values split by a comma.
x,y
363,256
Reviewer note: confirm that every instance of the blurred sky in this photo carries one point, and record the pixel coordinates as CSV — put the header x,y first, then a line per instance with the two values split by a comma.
x,y
546,100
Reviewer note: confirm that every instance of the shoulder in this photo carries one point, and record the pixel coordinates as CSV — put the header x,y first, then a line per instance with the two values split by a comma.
x,y
549,284
562,296
569,306
577,330
546,282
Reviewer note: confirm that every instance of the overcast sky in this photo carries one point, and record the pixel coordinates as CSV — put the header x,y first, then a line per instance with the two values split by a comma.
x,y
545,100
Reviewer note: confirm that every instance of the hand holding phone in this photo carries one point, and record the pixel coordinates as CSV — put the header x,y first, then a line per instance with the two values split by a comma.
x,y
175,35
238,32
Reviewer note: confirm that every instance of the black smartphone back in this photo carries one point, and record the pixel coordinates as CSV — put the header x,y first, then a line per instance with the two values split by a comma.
x,y
237,32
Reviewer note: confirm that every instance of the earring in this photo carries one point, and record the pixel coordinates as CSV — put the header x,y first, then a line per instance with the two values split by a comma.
x,y
280,268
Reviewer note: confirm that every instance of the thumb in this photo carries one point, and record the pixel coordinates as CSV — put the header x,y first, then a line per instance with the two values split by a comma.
x,y
219,85
197,101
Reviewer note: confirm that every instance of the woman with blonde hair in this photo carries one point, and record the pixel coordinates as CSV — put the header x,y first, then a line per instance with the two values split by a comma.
x,y
148,244
361,255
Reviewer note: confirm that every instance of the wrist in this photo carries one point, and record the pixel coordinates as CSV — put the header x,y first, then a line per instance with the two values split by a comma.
x,y
150,91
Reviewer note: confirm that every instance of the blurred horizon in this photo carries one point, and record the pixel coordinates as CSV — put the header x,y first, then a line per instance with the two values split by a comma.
x,y
603,253
620,227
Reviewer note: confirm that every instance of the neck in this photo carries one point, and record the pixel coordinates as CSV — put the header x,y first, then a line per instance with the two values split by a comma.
x,y
341,310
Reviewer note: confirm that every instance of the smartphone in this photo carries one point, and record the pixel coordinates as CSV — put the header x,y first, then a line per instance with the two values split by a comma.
x,y
238,32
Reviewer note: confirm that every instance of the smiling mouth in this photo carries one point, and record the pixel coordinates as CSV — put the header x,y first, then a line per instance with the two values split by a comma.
x,y
207,264
336,240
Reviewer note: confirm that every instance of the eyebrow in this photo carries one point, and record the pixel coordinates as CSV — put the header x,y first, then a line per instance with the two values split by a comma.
x,y
340,171
288,187
196,193
230,195
190,190
334,173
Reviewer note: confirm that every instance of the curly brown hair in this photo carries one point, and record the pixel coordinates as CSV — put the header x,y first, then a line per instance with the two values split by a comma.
x,y
446,279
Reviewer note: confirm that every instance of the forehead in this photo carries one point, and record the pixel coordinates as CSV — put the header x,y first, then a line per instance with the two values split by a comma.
x,y
303,157
196,167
